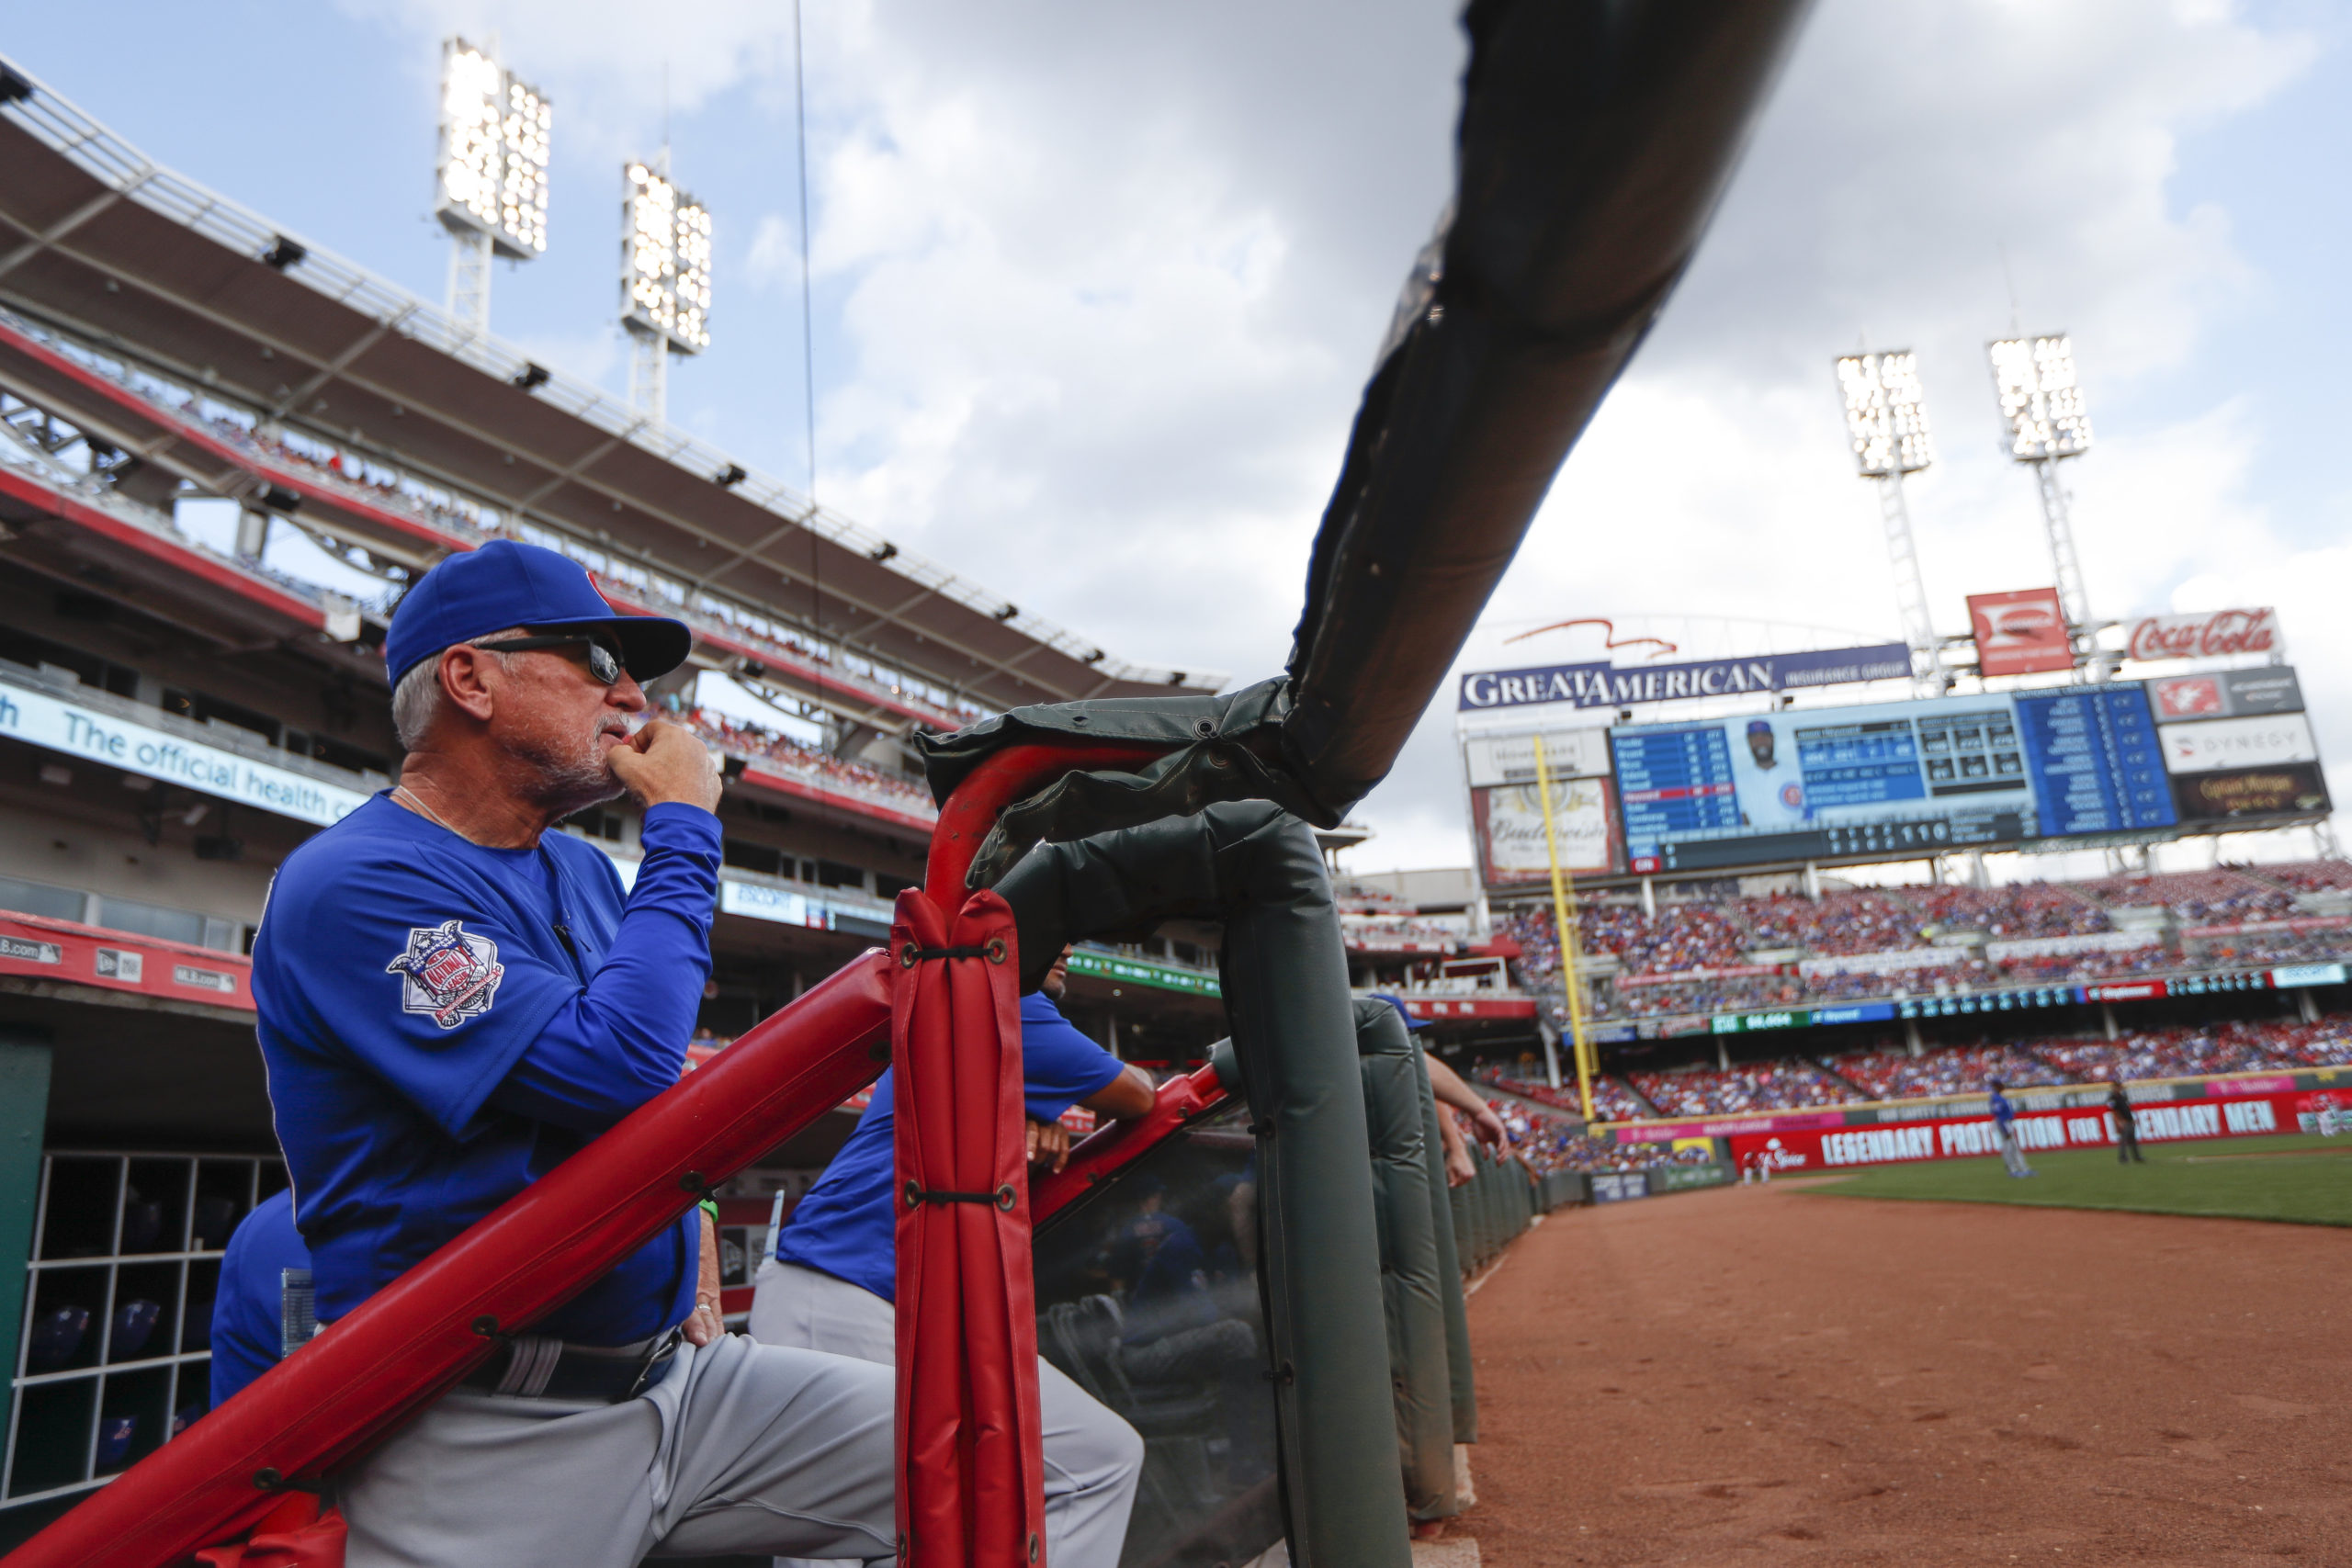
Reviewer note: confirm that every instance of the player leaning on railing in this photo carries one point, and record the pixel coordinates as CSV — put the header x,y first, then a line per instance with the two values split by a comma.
x,y
454,999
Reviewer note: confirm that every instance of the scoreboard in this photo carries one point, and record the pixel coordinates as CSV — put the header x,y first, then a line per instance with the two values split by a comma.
x,y
1896,779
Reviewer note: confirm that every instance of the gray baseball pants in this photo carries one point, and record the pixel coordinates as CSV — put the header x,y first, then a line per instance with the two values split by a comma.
x,y
2012,1155
742,1447
1092,1457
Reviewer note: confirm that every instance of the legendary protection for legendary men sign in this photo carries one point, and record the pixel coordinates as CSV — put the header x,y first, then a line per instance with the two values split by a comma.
x,y
1605,685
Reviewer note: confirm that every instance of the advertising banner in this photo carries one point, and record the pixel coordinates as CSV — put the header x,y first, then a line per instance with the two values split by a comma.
x,y
2209,635
2225,693
2269,740
76,730
2059,946
1893,961
2296,790
1507,820
1890,779
1960,1137
2020,633
1604,685
1511,759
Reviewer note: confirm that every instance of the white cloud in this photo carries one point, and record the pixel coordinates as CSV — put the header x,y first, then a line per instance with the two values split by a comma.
x,y
1098,290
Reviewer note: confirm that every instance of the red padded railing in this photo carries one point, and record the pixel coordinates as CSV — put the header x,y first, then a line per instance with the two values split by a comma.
x,y
414,1338
971,1464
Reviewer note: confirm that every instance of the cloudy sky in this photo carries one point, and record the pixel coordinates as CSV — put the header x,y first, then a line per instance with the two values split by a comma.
x,y
1096,288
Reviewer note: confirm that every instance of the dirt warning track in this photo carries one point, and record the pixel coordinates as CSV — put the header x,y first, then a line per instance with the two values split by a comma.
x,y
1755,1375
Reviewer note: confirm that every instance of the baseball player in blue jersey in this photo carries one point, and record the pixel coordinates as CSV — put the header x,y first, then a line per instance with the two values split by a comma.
x,y
832,1284
453,1000
261,1309
2004,1126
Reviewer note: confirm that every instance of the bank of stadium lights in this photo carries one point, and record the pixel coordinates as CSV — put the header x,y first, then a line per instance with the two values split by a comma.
x,y
2045,421
1886,424
665,278
492,174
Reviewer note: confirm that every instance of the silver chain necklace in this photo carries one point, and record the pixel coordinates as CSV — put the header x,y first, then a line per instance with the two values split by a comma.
x,y
401,792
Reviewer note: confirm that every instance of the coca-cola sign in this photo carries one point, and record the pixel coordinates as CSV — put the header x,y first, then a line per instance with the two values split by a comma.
x,y
2204,636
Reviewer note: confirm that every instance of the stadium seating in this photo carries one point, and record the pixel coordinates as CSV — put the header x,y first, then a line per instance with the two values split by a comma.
x,y
1784,1085
1713,949
824,771
1892,1073
2022,910
1548,1143
1836,924
2196,896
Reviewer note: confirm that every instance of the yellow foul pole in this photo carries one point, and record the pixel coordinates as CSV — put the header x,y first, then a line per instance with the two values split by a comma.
x,y
1564,908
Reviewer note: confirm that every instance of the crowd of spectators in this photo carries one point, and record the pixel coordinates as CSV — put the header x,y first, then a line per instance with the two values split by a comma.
x,y
1892,1073
2324,1044
765,746
1923,980
2075,969
1548,1143
1734,994
2312,876
2181,1052
1611,1099
2204,897
2022,911
1696,940
2244,948
1847,921
1787,1084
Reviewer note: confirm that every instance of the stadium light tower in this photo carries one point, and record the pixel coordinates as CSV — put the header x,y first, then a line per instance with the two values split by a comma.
x,y
2041,404
1886,419
491,177
665,279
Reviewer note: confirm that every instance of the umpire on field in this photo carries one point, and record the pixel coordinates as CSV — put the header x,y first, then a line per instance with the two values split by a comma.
x,y
453,1000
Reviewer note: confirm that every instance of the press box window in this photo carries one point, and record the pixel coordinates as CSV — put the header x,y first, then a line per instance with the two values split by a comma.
x,y
755,857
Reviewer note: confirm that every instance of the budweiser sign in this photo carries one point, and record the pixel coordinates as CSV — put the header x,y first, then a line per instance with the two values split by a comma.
x,y
2204,636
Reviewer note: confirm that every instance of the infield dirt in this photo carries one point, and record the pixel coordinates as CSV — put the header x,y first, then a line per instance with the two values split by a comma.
x,y
1751,1375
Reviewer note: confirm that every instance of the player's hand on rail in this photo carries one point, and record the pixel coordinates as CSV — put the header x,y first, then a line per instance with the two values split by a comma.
x,y
707,1322
663,764
1048,1145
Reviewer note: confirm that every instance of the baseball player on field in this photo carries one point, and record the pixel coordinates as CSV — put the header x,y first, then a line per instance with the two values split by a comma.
x,y
2005,1129
832,1284
453,1000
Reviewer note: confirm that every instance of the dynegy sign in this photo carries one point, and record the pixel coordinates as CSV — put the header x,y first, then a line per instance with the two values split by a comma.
x,y
1601,685
78,731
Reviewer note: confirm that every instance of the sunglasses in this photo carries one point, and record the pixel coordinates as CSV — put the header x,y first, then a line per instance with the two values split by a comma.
x,y
604,660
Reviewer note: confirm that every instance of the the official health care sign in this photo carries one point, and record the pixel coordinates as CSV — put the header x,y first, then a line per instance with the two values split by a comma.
x,y
77,731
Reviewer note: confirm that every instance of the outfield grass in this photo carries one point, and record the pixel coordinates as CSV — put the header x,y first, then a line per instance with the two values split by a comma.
x,y
2300,1179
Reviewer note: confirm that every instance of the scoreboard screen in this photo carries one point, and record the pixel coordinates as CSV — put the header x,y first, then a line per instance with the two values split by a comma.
x,y
1891,779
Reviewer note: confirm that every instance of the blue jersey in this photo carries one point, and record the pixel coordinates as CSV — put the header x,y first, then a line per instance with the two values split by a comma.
x,y
2002,1114
847,1224
249,1312
445,1024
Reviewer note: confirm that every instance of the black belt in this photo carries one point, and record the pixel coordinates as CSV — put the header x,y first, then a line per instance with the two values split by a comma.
x,y
532,1366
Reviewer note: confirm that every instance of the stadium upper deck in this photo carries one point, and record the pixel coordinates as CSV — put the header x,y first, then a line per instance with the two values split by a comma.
x,y
129,260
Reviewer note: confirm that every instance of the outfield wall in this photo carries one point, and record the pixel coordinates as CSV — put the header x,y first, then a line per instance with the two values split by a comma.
x,y
1961,1137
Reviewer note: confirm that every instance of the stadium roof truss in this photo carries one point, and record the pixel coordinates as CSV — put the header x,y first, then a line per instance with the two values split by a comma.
x,y
128,255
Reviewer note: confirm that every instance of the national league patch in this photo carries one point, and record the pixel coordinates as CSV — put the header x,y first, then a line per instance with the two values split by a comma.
x,y
448,972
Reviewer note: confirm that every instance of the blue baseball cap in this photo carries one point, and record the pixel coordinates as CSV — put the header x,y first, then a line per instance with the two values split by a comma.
x,y
507,584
